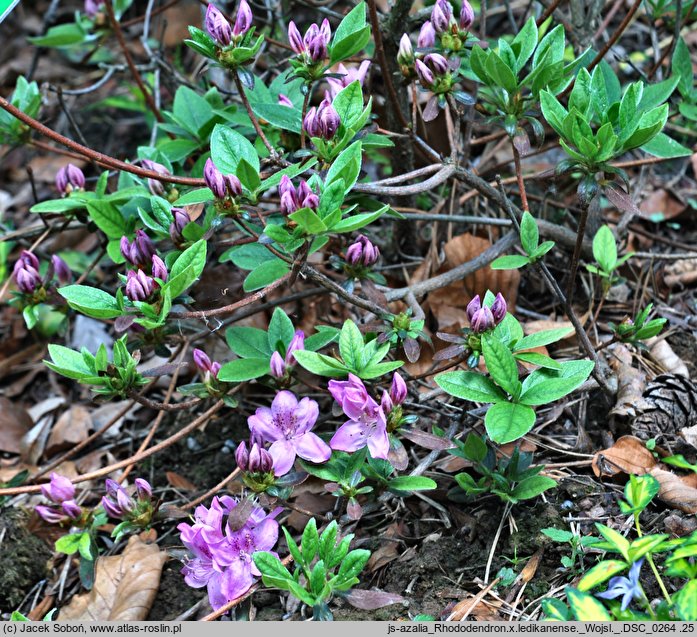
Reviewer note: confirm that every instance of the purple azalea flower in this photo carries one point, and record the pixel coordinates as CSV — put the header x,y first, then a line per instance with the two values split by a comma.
x,y
243,20
628,587
181,220
222,557
293,198
140,251
61,270
93,7
59,489
427,36
322,121
367,424
159,269
441,15
362,252
26,272
286,425
313,45
473,306
139,286
217,26
405,54
155,186
204,364
349,76
466,16
69,178
482,320
499,308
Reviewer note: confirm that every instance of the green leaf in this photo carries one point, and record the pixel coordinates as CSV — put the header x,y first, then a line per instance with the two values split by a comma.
x,y
309,544
554,609
327,540
198,195
356,222
350,567
509,262
529,234
308,221
501,72
107,218
62,35
475,448
537,359
91,301
585,607
539,339
605,249
411,483
470,386
351,346
349,103
69,544
501,364
525,42
241,369
616,539
186,269
248,342
351,35
346,166
600,573
281,330
506,421
558,535
640,490
265,274
228,147
320,364
686,602
272,570
665,147
553,111
532,486
191,111
68,362
681,65
545,386
278,115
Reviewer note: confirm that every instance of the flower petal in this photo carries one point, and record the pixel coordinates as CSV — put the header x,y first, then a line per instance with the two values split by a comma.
x,y
265,535
306,415
351,436
379,443
262,424
311,447
283,454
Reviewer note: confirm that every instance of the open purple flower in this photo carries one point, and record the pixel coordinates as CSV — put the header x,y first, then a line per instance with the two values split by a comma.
x,y
351,75
222,557
627,587
367,424
286,425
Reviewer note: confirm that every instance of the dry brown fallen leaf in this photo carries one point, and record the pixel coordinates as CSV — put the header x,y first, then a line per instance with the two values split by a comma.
x,y
663,354
72,427
661,205
680,273
7,472
675,491
180,482
124,586
447,304
627,455
631,382
15,422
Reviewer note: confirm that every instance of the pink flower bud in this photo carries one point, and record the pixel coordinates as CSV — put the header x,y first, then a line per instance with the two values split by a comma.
x,y
159,269
386,402
124,501
112,509
26,273
69,178
425,74
59,489
499,308
437,63
143,489
51,515
181,220
482,321
405,55
354,254
427,36
217,26
329,120
214,179
295,39
232,185
466,16
139,286
441,15
473,306
398,389
243,20
284,100
278,365
266,462
111,487
72,509
215,368
242,456
254,458
201,360
155,186
296,344
61,270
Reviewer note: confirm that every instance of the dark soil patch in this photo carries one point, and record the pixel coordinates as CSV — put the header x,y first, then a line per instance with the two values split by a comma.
x,y
23,559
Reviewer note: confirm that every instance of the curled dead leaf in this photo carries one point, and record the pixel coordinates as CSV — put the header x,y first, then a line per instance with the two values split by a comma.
x,y
627,455
124,586
15,422
676,492
631,382
372,600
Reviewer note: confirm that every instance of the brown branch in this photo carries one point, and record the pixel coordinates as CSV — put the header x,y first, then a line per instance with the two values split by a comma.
x,y
101,158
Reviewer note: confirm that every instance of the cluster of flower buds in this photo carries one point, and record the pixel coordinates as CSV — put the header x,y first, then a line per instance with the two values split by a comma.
x,y
314,46
362,252
61,491
281,366
322,121
443,20
136,510
180,220
256,460
68,179
293,198
155,186
434,72
140,251
209,370
222,186
219,28
396,396
481,318
140,286
27,277
348,76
